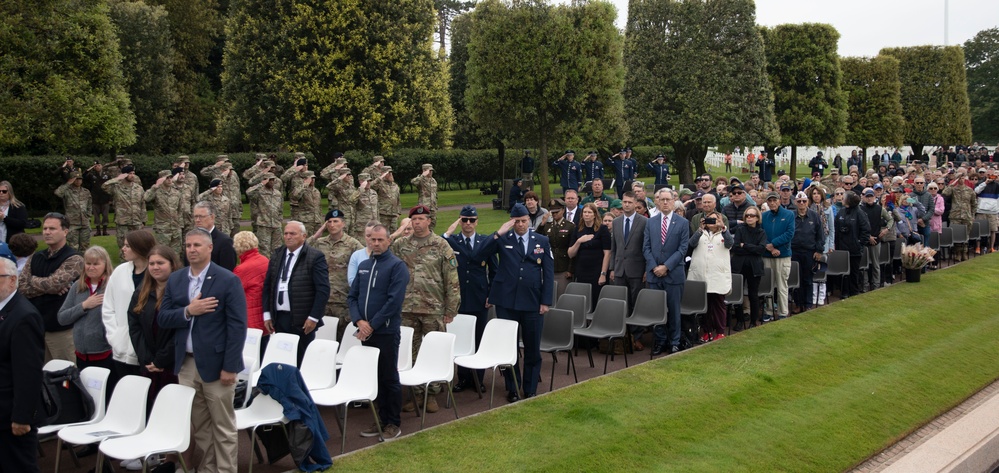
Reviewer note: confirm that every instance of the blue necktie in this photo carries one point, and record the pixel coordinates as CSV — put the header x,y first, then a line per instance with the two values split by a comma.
x,y
627,229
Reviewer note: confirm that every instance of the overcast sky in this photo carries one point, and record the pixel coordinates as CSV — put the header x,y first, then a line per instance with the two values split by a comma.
x,y
866,26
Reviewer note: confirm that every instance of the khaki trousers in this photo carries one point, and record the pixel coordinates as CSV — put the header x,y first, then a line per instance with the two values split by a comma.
x,y
213,420
60,346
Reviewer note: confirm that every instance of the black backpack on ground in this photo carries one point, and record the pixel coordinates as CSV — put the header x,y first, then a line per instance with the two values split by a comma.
x,y
64,398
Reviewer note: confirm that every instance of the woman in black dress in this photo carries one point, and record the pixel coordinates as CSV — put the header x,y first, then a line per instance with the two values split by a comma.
x,y
590,248
749,246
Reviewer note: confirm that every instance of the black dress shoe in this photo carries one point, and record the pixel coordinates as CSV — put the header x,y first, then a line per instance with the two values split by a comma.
x,y
512,397
674,349
460,386
528,396
657,349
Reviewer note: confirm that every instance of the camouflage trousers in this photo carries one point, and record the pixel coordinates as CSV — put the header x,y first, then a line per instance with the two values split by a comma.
x,y
391,222
269,238
169,236
423,324
119,235
79,237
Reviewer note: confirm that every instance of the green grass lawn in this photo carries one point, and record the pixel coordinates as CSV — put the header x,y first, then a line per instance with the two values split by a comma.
x,y
818,392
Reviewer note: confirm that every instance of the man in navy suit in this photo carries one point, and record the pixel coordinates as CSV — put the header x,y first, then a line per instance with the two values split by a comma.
x,y
22,348
522,290
572,212
474,275
296,288
205,303
665,248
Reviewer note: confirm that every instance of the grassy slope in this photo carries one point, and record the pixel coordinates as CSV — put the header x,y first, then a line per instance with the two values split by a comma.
x,y
818,392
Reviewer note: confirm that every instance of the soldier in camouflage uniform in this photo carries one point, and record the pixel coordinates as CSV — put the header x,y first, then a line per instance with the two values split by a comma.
x,y
254,179
222,169
389,207
340,191
365,203
167,207
293,177
375,169
330,172
79,209
307,204
189,177
114,167
426,186
263,164
337,246
220,203
215,170
558,229
963,204
267,196
433,293
187,184
129,206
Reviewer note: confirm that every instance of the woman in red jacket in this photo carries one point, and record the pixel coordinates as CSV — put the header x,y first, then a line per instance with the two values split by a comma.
x,y
251,270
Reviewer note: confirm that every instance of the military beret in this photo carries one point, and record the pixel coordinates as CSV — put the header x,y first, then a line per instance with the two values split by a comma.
x,y
364,176
215,183
428,167
615,204
628,149
377,159
419,210
773,195
469,211
337,155
301,162
334,213
6,253
781,172
518,210
127,168
177,170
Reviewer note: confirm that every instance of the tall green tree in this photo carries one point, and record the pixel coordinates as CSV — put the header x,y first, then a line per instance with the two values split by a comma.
x,y
546,75
447,11
875,101
61,83
197,32
322,75
696,77
981,56
934,95
147,51
804,70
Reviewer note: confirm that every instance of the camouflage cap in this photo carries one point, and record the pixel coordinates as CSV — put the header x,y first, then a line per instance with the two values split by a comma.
x,y
309,174
75,175
183,159
343,171
364,176
225,166
428,167
341,160
387,168
377,159
261,156
299,154
267,176
222,157
164,173
267,163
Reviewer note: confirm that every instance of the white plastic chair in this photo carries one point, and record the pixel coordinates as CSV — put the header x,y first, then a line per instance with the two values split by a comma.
x,y
264,411
126,415
95,380
498,350
317,371
251,350
463,328
168,431
349,341
405,348
281,348
434,363
328,330
57,365
358,382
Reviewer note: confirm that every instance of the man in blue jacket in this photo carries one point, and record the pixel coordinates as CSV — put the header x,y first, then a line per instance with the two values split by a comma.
x,y
522,290
778,223
375,302
571,171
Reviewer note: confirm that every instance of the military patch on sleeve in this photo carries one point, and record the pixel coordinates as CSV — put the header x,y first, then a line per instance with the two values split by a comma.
x,y
453,261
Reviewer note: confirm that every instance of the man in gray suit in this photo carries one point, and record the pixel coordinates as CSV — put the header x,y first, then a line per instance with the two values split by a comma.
x,y
627,259
665,247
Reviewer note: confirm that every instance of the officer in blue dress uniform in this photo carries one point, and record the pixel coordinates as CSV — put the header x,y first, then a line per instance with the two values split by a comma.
x,y
571,171
522,290
475,274
592,168
624,170
660,170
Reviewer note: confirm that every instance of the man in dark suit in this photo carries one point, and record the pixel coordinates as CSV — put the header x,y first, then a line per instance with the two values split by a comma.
x,y
223,251
206,305
572,206
22,350
665,248
296,288
522,290
474,275
627,259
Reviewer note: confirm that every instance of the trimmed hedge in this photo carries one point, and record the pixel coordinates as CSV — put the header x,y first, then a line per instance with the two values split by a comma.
x,y
35,178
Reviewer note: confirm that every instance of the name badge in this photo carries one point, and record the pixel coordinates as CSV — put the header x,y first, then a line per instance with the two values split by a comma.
x,y
509,247
282,286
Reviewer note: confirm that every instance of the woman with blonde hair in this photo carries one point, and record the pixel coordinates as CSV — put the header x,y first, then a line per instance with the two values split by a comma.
x,y
82,308
252,270
13,214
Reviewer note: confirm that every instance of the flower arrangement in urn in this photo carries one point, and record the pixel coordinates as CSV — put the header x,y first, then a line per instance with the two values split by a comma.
x,y
917,256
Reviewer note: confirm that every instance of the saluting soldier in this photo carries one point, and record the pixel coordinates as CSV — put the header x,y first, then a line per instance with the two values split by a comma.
x,y
365,203
167,207
389,206
261,167
129,206
79,209
376,167
426,186
293,177
340,191
268,167
558,229
963,204
267,197
94,180
308,209
214,171
189,178
337,246
220,202
433,293
330,172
